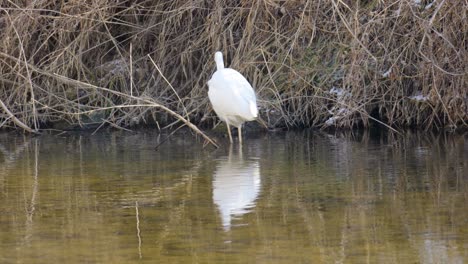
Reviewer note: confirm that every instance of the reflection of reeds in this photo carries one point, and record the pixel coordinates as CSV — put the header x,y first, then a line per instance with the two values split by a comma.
x,y
68,205
380,198
312,63
10,157
31,207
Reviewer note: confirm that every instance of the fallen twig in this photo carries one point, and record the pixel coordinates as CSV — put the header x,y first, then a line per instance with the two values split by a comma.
x,y
150,103
16,120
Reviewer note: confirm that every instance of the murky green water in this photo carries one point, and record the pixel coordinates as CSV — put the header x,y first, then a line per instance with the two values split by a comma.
x,y
297,197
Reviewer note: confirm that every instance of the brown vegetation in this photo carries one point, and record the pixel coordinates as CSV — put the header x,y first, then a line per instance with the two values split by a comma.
x,y
312,63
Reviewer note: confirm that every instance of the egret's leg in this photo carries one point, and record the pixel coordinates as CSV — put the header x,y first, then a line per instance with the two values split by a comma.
x,y
239,130
229,132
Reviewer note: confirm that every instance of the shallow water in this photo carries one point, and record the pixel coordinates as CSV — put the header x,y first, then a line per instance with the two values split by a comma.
x,y
296,197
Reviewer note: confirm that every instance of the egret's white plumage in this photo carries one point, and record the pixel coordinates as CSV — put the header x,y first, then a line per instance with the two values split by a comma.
x,y
232,97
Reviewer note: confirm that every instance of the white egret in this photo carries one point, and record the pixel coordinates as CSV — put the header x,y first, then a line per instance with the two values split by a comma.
x,y
232,97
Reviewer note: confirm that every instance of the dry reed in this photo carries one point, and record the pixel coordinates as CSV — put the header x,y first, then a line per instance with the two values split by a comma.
x,y
312,63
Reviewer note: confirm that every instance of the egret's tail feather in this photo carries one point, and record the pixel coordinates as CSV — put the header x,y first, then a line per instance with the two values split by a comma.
x,y
253,109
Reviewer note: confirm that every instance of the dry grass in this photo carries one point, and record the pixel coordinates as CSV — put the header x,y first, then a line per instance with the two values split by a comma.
x,y
313,63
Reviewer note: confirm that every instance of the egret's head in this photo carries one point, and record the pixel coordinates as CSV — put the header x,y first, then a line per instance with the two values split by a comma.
x,y
219,60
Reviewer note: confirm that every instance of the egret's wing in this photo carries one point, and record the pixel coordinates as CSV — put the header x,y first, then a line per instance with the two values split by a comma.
x,y
232,97
240,84
242,89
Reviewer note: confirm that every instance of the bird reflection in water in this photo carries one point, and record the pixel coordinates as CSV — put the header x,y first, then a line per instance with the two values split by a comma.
x,y
236,185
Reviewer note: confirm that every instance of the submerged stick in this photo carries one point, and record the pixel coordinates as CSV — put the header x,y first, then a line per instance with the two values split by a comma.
x,y
150,103
165,139
138,228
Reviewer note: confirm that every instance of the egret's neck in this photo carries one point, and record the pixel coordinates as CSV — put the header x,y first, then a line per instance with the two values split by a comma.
x,y
219,61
